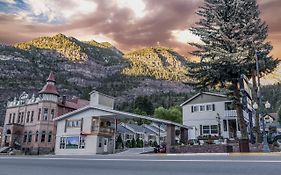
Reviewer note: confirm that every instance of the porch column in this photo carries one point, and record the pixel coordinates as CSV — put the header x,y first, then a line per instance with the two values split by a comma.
x,y
170,136
184,135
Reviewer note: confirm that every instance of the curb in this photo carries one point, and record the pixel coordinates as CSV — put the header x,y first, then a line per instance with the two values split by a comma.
x,y
191,154
256,154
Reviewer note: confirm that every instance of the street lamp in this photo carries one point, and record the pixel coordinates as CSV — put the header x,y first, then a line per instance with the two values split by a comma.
x,y
265,143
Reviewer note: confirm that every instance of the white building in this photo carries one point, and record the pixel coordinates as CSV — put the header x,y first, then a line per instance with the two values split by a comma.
x,y
205,112
87,131
92,129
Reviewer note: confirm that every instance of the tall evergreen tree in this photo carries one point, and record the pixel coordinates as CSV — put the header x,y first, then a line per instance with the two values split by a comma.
x,y
232,35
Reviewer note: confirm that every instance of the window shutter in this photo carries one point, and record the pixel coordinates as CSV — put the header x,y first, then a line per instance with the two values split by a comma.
x,y
81,125
201,128
191,108
65,125
214,107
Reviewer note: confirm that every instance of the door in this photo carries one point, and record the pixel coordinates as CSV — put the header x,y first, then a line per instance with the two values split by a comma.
x,y
232,129
105,145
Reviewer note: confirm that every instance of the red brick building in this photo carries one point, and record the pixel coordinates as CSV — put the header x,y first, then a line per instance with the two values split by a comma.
x,y
29,121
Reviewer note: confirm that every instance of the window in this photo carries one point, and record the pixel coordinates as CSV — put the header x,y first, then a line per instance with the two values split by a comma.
x,y
27,117
14,116
25,137
100,142
32,115
39,113
45,114
229,106
43,135
19,117
202,108
10,118
62,143
93,124
29,136
195,108
209,107
50,137
108,123
52,114
73,123
214,129
74,142
36,136
82,143
22,120
206,129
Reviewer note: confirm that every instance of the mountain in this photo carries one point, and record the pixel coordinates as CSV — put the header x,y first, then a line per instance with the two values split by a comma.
x,y
75,50
273,78
82,66
160,63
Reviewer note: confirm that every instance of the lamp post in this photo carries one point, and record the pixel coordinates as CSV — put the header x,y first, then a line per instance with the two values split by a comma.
x,y
265,143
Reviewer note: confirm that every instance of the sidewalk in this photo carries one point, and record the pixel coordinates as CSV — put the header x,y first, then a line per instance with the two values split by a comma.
x,y
220,154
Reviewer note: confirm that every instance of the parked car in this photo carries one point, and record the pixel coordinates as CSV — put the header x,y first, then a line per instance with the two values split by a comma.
x,y
160,149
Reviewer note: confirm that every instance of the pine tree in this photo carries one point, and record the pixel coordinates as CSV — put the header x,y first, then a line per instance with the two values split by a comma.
x,y
231,34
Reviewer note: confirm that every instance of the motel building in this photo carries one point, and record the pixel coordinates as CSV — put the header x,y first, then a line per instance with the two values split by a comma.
x,y
92,129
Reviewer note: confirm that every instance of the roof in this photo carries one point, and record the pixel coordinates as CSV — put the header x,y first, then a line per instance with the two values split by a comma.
x,y
51,77
272,115
122,129
201,93
136,128
120,115
75,103
49,89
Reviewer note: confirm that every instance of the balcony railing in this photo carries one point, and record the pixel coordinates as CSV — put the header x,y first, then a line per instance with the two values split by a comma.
x,y
103,130
230,113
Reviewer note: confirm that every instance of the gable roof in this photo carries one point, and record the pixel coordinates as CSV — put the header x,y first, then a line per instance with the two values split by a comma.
x,y
120,114
122,129
202,93
274,116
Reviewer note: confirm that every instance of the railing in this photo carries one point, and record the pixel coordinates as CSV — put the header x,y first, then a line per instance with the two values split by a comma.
x,y
103,130
230,113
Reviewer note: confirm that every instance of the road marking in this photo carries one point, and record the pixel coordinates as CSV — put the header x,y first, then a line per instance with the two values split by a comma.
x,y
140,160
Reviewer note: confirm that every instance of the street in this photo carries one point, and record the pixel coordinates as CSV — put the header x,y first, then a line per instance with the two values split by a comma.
x,y
141,165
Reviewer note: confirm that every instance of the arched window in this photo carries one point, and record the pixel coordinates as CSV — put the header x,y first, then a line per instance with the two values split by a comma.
x,y
50,136
29,136
36,136
43,135
8,131
25,137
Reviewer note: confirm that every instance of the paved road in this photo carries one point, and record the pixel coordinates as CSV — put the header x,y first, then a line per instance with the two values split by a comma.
x,y
141,165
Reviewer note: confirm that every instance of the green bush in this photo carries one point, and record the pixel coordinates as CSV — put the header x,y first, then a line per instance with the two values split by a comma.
x,y
133,143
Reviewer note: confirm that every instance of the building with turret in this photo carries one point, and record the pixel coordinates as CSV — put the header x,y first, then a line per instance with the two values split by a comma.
x,y
29,124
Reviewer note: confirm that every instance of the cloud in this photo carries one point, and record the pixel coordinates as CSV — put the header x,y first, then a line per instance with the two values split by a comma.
x,y
61,10
128,23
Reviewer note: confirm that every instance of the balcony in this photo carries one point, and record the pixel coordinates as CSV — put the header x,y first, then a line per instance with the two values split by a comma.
x,y
103,130
230,113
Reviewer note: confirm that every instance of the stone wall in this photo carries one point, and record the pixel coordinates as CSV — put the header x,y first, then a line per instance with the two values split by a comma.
x,y
200,149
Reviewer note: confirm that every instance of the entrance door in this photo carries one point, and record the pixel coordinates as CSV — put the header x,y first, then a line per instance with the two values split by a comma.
x,y
232,129
105,145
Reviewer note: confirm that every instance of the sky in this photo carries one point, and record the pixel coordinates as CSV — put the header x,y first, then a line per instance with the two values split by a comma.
x,y
127,24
